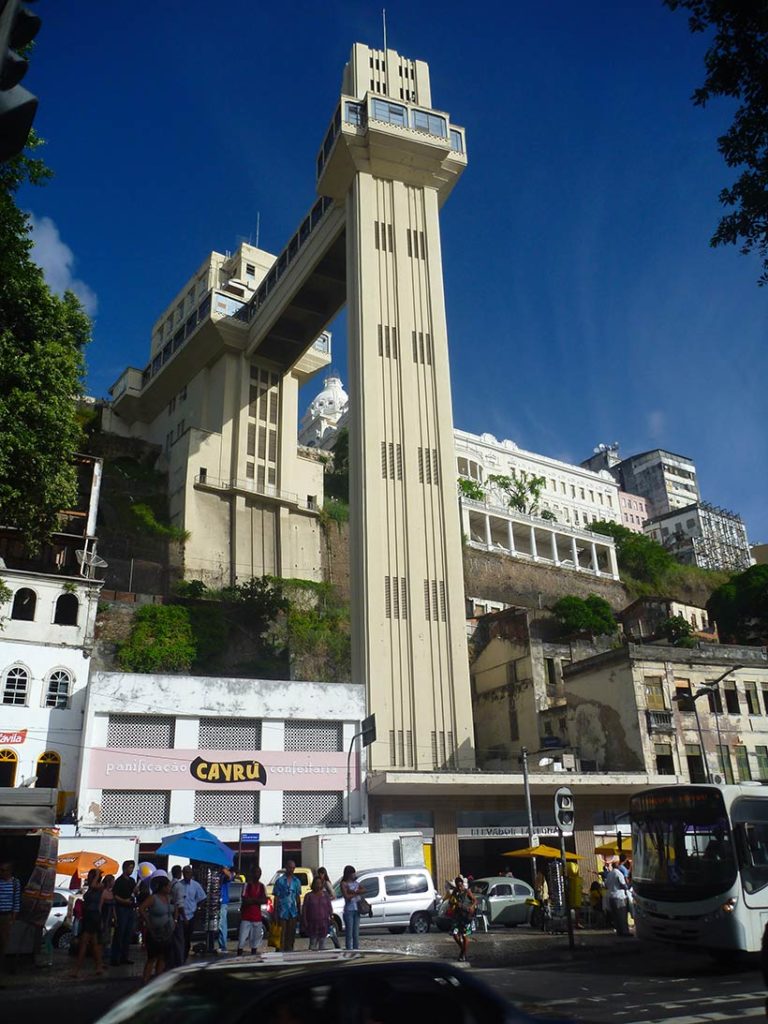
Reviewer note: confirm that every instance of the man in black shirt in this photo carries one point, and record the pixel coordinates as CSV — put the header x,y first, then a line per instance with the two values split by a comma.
x,y
125,915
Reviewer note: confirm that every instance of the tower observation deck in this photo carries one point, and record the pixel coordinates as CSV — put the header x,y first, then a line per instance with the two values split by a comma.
x,y
372,240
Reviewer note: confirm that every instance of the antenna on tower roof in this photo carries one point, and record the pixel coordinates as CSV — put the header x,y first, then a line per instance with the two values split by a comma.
x,y
384,23
258,225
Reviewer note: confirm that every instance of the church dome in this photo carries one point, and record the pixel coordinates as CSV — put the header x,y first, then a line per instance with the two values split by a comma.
x,y
332,401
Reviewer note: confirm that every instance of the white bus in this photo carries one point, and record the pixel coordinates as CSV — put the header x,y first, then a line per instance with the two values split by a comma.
x,y
700,865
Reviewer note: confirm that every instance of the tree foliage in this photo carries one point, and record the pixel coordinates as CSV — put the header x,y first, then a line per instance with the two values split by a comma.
x,y
736,65
638,556
42,338
470,489
523,493
591,615
337,474
740,607
677,629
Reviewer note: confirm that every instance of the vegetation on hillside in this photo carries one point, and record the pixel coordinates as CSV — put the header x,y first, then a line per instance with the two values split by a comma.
x,y
648,570
585,615
292,628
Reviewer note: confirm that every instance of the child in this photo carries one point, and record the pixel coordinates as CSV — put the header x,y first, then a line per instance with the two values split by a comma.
x,y
317,914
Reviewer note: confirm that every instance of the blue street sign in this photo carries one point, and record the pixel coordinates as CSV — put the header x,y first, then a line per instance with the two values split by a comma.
x,y
250,837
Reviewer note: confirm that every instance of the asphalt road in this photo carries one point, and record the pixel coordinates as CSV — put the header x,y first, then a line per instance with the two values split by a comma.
x,y
604,979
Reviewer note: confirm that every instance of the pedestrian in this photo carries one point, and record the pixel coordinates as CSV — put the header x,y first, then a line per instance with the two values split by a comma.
x,y
193,894
625,867
107,911
177,902
287,895
125,914
251,933
461,907
159,919
575,894
333,934
317,914
91,926
618,899
10,906
225,877
352,892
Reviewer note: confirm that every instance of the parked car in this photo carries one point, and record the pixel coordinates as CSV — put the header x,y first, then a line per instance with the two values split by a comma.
x,y
501,900
58,926
330,986
400,898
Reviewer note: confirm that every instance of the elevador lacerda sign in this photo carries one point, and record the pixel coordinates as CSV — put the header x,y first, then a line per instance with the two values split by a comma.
x,y
175,768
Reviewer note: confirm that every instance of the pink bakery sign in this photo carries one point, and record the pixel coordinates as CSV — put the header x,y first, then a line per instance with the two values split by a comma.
x,y
113,768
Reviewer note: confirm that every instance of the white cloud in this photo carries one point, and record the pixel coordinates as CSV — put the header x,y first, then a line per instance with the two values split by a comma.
x,y
58,261
656,424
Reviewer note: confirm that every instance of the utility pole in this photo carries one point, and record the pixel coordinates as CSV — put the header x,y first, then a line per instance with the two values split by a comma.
x,y
528,807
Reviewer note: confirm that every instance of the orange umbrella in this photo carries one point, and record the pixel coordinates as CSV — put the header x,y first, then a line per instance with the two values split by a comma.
x,y
81,863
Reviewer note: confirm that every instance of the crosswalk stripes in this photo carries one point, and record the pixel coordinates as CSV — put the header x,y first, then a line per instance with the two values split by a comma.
x,y
699,1009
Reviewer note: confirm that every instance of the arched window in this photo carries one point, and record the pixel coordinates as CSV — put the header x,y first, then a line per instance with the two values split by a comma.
x,y
48,770
67,608
8,763
15,686
57,692
24,602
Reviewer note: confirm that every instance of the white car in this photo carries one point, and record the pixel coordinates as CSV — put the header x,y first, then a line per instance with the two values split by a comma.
x,y
400,898
57,926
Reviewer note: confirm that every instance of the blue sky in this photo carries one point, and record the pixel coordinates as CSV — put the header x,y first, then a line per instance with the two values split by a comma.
x,y
584,301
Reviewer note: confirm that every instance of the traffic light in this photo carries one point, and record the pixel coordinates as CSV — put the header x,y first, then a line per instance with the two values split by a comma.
x,y
564,811
18,26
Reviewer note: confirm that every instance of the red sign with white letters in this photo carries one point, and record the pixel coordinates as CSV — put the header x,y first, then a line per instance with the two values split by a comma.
x,y
14,736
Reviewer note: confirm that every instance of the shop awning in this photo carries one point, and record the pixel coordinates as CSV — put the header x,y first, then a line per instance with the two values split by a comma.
x,y
27,808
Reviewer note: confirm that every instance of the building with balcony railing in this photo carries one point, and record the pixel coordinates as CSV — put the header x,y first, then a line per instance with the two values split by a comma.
x,y
221,413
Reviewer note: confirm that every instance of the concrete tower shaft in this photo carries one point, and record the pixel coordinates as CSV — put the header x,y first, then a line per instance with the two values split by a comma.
x,y
392,160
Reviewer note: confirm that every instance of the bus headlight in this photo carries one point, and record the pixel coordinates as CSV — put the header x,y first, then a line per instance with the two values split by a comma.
x,y
729,906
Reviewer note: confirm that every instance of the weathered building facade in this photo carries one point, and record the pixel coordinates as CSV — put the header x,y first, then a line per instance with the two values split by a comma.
x,y
630,710
517,668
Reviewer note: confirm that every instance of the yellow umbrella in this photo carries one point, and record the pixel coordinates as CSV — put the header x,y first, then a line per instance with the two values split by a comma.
x,y
81,863
541,851
611,849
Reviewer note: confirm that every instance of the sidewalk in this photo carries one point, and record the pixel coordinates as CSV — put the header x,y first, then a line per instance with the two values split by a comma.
x,y
498,948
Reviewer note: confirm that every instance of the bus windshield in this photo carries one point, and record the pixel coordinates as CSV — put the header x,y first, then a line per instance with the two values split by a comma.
x,y
682,847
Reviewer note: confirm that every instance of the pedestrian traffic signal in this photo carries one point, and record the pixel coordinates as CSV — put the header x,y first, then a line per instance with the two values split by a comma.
x,y
564,811
18,27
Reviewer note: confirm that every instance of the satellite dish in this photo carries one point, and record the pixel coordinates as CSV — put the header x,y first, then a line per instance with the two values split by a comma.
x,y
88,560
718,779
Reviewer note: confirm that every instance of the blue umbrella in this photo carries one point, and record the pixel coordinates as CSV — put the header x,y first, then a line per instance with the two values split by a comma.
x,y
198,844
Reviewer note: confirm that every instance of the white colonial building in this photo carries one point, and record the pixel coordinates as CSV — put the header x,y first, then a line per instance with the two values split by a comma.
x,y
45,653
162,754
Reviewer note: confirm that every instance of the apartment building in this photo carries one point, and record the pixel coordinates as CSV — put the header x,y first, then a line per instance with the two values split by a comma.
x,y
704,535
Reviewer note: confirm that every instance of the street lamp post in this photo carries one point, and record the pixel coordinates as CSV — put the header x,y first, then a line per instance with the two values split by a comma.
x,y
528,807
688,703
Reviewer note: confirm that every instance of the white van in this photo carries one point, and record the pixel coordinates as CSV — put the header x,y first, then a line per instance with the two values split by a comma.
x,y
400,898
